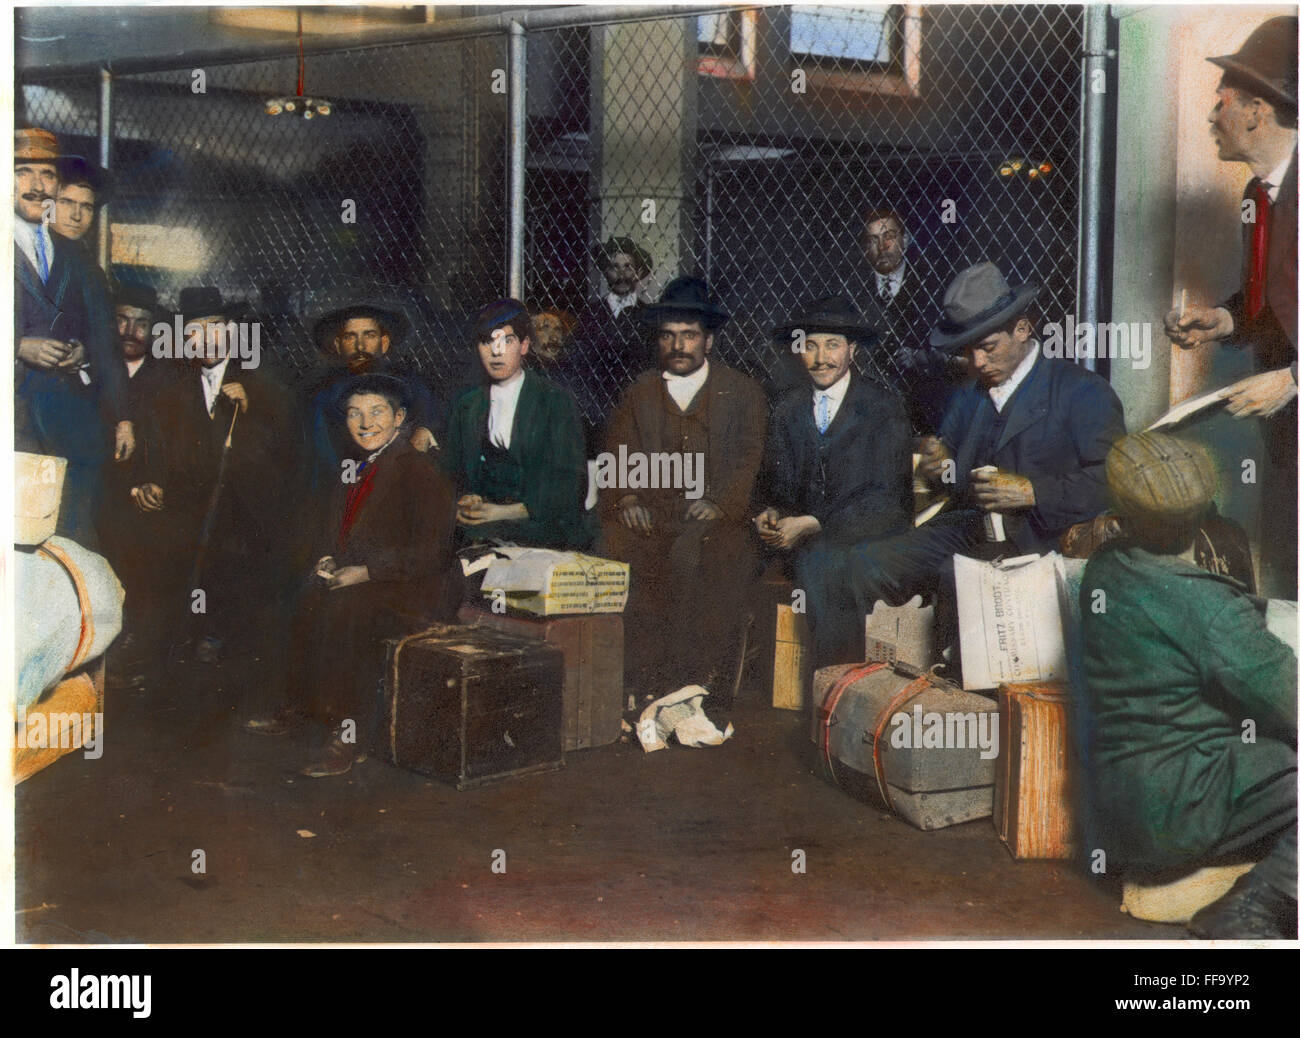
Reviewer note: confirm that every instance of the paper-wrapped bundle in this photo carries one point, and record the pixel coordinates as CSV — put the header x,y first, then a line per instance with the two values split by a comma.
x,y
550,583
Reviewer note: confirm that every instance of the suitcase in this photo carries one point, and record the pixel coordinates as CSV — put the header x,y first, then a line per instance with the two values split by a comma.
x,y
1032,808
897,764
593,667
470,704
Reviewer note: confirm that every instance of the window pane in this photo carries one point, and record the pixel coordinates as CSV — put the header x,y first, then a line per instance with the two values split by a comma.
x,y
713,29
854,33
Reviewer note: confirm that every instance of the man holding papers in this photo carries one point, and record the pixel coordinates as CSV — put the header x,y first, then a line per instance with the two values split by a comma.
x,y
1025,442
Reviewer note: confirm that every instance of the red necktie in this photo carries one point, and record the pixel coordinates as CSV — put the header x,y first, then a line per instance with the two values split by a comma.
x,y
1258,273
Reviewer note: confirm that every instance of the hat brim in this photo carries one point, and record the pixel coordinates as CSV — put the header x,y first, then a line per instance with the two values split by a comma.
x,y
1266,89
952,341
862,334
327,324
230,312
713,316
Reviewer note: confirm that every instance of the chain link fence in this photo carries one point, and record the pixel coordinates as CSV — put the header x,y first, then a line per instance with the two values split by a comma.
x,y
745,147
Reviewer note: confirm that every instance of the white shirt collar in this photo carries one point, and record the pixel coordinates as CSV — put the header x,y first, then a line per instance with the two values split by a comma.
x,y
25,238
834,396
132,366
211,379
1274,179
894,277
1001,394
682,388
617,304
503,400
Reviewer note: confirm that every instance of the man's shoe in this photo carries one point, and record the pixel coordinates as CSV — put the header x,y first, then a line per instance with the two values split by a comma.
x,y
1251,910
278,723
338,759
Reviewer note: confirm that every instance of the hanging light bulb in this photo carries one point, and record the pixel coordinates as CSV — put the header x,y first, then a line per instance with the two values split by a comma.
x,y
307,107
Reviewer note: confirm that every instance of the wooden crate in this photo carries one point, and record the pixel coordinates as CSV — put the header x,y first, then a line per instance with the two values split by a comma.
x,y
593,667
1032,806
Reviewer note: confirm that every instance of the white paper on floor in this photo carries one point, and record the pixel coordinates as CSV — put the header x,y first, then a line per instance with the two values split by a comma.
x,y
679,713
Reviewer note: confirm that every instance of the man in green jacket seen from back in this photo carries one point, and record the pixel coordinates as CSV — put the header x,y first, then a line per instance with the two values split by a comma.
x,y
1192,699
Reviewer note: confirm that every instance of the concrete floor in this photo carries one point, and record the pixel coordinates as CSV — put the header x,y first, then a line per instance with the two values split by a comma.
x,y
618,846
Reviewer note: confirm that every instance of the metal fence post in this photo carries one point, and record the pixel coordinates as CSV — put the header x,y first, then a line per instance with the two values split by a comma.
x,y
105,147
1092,148
518,141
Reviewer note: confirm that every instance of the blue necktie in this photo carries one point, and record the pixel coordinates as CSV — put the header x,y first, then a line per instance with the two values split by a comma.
x,y
40,254
823,413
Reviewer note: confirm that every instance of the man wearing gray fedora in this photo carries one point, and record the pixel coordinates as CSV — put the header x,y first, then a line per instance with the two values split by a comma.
x,y
1025,442
1254,121
837,469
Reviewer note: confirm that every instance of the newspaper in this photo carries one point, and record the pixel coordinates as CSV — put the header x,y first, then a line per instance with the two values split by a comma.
x,y
679,714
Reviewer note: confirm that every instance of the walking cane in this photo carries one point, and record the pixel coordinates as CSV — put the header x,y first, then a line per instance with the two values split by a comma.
x,y
209,521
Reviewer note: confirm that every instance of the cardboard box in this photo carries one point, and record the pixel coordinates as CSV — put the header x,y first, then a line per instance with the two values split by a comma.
x,y
542,582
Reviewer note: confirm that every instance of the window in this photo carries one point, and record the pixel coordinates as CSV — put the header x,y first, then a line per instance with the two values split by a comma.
x,y
875,49
728,44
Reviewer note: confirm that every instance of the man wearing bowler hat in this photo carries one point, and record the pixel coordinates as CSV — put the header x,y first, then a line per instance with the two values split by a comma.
x,y
1179,664
69,392
1254,121
356,339
1019,457
837,469
689,545
256,508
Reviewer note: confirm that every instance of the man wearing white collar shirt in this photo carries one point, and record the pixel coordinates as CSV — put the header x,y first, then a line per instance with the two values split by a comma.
x,y
837,470
66,380
245,566
514,446
1253,121
902,287
610,345
685,535
1026,440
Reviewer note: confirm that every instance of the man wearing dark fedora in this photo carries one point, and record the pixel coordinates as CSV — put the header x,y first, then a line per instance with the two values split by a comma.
x,y
1179,665
609,345
253,514
1019,457
355,339
83,188
689,546
1254,121
135,538
69,391
837,469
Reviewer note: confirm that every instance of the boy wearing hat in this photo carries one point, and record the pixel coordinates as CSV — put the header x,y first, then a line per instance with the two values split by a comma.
x,y
1027,440
66,384
1192,699
1254,122
837,469
689,547
357,339
514,446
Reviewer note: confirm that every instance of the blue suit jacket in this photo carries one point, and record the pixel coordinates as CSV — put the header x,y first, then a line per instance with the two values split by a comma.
x,y
72,304
1062,423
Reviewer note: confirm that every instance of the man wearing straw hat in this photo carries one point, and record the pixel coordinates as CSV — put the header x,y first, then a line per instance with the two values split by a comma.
x,y
69,394
1254,121
1192,700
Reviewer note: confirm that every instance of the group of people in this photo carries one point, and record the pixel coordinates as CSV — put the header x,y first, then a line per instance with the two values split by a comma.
x,y
330,521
